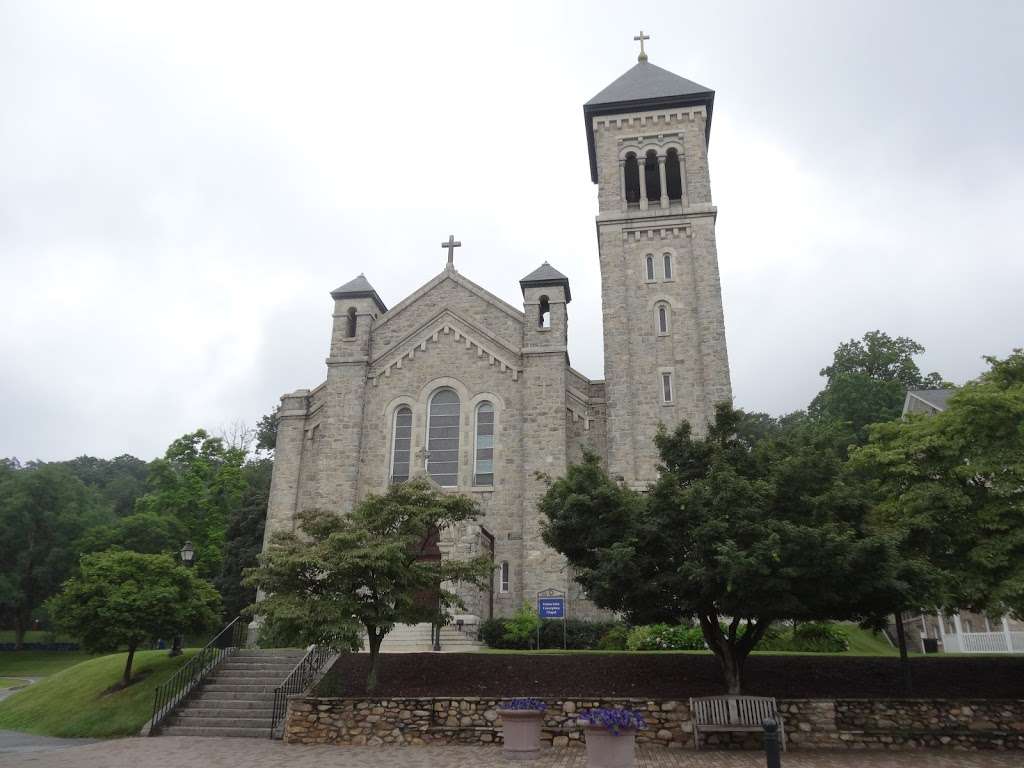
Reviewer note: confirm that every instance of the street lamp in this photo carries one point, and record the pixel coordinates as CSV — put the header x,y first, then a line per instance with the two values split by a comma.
x,y
187,554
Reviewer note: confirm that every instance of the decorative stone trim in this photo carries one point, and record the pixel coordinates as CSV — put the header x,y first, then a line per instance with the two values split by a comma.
x,y
656,233
642,119
446,329
810,723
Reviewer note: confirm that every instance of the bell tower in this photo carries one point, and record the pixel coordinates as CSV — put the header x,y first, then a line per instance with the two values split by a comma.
x,y
665,355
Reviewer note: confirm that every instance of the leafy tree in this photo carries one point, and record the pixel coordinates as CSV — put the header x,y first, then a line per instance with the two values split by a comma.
x,y
739,526
43,510
124,599
266,432
949,489
200,483
120,481
868,380
146,532
340,572
245,536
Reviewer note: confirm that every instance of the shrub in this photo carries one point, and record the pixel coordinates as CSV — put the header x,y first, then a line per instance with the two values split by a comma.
x,y
580,635
523,625
665,637
614,639
820,637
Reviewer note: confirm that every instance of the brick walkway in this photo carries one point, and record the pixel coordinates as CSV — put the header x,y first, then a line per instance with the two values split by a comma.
x,y
166,751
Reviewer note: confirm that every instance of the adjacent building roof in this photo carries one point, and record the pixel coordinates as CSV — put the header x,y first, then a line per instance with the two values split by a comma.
x,y
359,288
933,398
545,274
644,87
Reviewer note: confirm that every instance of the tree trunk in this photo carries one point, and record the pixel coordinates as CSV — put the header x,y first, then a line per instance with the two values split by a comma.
x,y
128,666
732,670
374,640
22,619
901,639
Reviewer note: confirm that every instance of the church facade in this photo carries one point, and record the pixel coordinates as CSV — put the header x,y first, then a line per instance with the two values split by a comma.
x,y
479,395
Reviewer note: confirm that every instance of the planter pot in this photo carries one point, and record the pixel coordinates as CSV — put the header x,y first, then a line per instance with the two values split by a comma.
x,y
521,733
605,750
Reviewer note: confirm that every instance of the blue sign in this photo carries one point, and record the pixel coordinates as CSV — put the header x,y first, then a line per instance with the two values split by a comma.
x,y
551,607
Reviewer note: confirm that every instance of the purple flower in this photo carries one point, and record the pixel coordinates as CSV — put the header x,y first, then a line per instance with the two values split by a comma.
x,y
525,703
614,720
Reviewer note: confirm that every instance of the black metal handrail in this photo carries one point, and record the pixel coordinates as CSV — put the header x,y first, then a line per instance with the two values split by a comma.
x,y
170,693
298,680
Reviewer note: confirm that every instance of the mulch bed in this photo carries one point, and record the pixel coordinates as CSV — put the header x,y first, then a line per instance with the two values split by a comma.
x,y
670,676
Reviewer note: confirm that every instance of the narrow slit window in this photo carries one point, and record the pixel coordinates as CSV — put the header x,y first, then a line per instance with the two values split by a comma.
x,y
662,319
666,387
504,577
401,444
652,176
632,172
350,323
544,315
668,266
650,267
443,439
483,469
673,175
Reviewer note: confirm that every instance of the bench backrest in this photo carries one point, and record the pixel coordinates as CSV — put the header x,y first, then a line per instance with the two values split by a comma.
x,y
732,710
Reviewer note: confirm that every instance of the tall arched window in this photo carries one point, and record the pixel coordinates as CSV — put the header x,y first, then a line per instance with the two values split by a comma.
x,y
652,176
350,325
443,438
673,177
649,265
504,577
483,465
663,319
401,445
632,172
668,266
544,313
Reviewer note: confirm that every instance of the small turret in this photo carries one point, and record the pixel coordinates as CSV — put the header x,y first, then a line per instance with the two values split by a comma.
x,y
356,306
545,296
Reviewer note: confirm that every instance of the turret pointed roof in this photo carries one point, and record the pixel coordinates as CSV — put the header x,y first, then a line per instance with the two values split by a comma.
x,y
644,87
359,288
545,274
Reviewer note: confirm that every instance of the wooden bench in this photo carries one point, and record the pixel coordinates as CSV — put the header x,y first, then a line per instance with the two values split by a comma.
x,y
733,713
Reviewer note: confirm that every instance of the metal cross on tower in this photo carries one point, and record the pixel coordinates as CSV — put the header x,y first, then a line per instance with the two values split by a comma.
x,y
451,245
641,37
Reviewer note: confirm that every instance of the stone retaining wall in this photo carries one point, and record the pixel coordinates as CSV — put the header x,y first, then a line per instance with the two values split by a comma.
x,y
809,723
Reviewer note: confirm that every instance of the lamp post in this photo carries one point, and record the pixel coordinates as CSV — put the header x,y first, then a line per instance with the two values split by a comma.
x,y
187,554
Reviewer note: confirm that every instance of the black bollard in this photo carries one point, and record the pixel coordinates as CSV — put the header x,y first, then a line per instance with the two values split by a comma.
x,y
771,743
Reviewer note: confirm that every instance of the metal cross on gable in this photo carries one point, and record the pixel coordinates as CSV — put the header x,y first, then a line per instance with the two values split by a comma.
x,y
451,245
641,37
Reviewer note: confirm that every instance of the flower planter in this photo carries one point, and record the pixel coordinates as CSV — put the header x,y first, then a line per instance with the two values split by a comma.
x,y
608,750
520,730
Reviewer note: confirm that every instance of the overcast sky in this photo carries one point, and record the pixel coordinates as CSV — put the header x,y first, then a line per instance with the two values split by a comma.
x,y
182,184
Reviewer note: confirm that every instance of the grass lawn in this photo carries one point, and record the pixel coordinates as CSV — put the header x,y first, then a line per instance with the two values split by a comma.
x,y
36,636
71,702
11,682
38,663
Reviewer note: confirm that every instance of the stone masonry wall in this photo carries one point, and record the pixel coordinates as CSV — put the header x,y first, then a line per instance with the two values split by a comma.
x,y
809,723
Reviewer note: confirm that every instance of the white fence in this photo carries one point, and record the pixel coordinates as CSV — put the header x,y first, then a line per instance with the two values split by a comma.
x,y
984,642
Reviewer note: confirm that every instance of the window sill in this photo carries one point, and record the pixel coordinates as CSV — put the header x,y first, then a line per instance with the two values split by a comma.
x,y
667,405
481,489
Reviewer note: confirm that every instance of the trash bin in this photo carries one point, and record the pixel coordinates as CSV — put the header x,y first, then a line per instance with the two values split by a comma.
x,y
931,644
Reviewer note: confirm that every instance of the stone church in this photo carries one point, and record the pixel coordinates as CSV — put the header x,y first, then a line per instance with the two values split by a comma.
x,y
480,395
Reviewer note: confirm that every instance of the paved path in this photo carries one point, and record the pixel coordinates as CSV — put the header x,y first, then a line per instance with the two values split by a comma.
x,y
14,742
23,682
166,751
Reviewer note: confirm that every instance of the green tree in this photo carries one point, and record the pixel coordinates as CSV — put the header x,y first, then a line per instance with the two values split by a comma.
x,y
868,380
365,569
144,532
124,599
120,481
200,483
736,533
949,490
44,509
245,536
266,432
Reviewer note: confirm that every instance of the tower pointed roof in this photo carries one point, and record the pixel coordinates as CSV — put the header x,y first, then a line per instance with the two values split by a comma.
x,y
644,86
545,274
359,288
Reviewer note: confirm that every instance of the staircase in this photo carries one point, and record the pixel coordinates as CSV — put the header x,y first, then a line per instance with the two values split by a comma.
x,y
237,699
415,638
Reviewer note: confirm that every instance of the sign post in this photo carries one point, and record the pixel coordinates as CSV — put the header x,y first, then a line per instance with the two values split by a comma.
x,y
551,605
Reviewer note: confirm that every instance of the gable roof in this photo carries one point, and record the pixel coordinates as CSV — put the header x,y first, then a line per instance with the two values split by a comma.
x,y
644,87
359,288
936,398
545,274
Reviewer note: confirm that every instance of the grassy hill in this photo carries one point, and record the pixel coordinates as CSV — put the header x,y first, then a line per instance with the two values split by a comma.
x,y
74,701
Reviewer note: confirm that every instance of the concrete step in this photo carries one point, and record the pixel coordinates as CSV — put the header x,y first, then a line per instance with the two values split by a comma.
x,y
248,696
274,669
185,730
243,679
241,706
239,688
219,722
190,713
